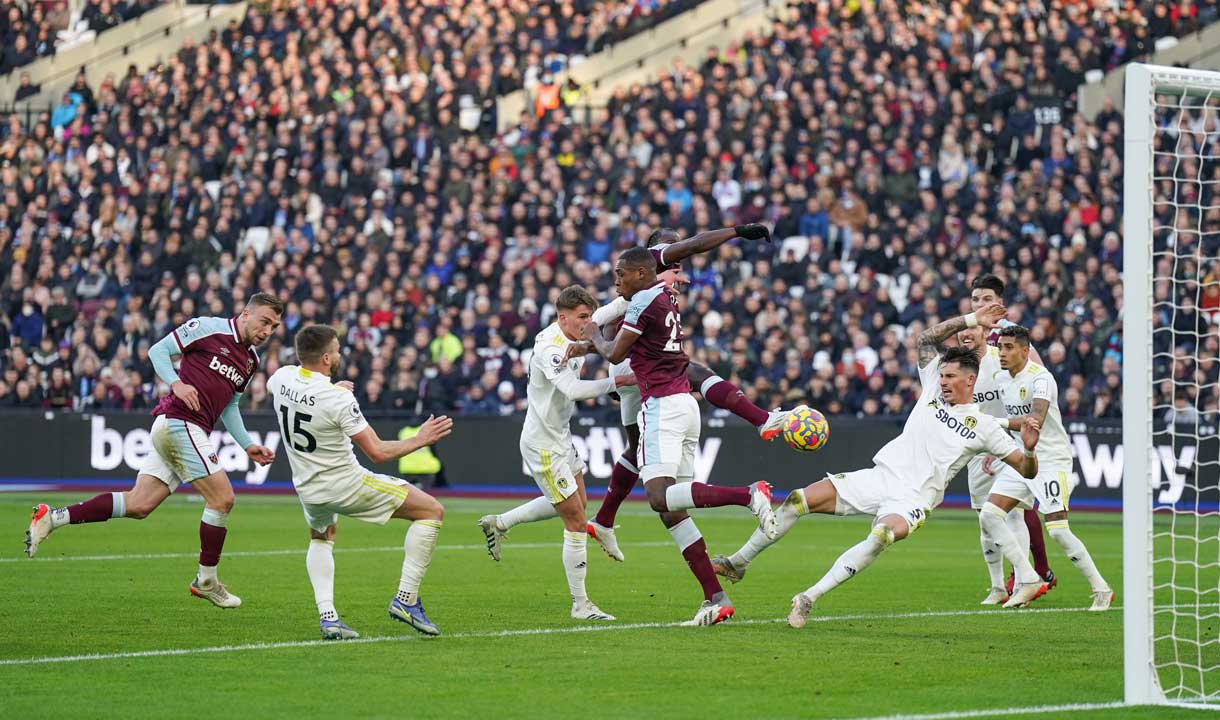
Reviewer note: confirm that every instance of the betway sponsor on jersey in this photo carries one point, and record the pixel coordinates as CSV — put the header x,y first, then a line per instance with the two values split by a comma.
x,y
227,371
109,448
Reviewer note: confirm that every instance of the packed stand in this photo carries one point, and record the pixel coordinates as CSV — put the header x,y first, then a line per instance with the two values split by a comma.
x,y
34,29
898,155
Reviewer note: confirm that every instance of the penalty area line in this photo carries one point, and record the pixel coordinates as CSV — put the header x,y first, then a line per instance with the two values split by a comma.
x,y
506,634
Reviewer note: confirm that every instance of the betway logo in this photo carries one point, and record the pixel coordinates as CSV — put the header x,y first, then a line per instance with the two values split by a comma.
x,y
109,448
227,371
1105,465
604,445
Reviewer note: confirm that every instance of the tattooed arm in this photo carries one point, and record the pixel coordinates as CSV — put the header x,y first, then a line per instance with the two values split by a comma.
x,y
931,341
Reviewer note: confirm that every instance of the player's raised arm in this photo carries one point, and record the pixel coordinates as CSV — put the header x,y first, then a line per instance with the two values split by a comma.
x,y
712,239
931,340
432,431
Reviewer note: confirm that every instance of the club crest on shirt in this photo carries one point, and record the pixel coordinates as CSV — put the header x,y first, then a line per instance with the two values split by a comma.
x,y
970,422
212,457
1022,393
563,483
249,366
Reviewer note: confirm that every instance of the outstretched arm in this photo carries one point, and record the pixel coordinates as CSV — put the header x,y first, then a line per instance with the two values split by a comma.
x,y
380,451
710,240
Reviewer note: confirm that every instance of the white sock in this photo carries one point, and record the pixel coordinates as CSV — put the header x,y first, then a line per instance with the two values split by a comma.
x,y
679,497
993,558
991,519
207,574
418,547
850,563
1016,523
1077,553
320,562
537,509
575,564
786,515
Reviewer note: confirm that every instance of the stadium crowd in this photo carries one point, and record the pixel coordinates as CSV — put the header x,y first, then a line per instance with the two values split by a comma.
x,y
34,29
899,152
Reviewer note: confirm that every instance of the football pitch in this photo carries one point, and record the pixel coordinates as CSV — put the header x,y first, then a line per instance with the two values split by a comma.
x,y
102,624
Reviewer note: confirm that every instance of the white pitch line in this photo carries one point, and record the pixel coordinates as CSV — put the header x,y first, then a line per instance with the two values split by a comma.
x,y
504,633
295,551
1034,710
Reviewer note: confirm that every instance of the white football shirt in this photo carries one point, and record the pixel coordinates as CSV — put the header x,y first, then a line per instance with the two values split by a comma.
x,y
987,386
317,419
553,389
1035,382
938,439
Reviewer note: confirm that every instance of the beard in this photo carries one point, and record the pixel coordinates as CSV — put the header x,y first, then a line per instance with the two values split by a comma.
x,y
336,369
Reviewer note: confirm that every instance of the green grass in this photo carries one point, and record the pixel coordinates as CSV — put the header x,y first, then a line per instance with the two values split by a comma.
x,y
859,661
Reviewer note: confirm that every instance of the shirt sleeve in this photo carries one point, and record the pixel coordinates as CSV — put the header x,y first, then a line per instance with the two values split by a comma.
x,y
636,318
561,375
347,413
997,441
1043,388
198,328
929,379
611,311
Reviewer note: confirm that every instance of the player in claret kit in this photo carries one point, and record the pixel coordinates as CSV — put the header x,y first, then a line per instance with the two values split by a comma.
x,y
669,250
669,422
218,360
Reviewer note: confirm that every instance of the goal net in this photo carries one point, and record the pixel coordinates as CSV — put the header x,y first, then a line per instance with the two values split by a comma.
x,y
1171,480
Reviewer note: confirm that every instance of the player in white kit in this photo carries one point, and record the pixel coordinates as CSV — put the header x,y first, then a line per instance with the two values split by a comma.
x,y
546,444
944,430
986,290
320,420
1030,392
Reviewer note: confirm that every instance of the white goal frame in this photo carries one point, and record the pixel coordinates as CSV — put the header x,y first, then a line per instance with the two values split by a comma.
x,y
1141,684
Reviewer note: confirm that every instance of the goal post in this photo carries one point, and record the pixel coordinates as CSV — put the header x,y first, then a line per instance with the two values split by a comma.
x,y
1171,451
1140,684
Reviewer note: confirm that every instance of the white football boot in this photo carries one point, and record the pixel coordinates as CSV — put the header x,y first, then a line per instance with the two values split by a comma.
x,y
1102,600
711,613
606,538
760,505
586,610
495,536
215,592
801,607
997,596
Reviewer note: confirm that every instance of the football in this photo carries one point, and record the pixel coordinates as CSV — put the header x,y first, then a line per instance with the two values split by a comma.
x,y
806,429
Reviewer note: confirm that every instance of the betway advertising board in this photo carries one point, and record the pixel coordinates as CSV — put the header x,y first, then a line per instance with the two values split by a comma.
x,y
108,449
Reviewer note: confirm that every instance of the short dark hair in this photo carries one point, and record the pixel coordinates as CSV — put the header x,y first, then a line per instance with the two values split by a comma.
x,y
1018,333
964,357
989,281
312,341
575,296
638,257
264,299
662,235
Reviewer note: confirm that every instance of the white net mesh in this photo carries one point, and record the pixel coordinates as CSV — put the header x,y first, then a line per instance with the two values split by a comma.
x,y
1185,464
